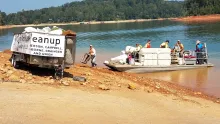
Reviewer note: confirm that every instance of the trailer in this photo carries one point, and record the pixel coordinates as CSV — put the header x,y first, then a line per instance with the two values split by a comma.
x,y
44,50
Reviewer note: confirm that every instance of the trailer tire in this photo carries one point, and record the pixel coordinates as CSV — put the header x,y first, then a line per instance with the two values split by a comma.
x,y
68,57
14,62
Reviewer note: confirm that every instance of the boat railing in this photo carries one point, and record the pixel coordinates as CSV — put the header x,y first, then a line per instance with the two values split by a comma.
x,y
197,56
175,56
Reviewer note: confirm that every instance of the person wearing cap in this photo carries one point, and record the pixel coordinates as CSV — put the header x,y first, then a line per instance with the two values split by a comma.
x,y
180,45
148,44
199,50
180,48
90,55
199,46
135,54
138,47
165,44
92,52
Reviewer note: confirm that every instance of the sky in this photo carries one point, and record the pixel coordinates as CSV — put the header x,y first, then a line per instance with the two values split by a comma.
x,y
12,6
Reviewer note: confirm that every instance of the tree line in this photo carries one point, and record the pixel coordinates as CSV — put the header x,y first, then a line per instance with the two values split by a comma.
x,y
3,17
106,10
202,7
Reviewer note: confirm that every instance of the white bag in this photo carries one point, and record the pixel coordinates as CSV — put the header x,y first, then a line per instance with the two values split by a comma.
x,y
30,29
46,29
58,32
129,49
121,59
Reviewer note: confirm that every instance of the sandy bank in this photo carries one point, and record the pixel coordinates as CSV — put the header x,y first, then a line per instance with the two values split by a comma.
x,y
6,27
78,23
203,18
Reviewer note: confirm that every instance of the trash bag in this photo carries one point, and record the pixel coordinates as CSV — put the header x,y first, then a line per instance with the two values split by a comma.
x,y
58,32
121,59
130,49
46,29
30,29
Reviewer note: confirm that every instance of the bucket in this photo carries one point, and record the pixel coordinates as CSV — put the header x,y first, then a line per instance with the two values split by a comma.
x,y
180,61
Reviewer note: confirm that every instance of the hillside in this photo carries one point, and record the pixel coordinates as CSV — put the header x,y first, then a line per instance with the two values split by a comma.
x,y
97,10
112,10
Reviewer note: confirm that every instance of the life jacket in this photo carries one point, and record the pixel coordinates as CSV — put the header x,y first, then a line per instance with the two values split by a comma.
x,y
148,45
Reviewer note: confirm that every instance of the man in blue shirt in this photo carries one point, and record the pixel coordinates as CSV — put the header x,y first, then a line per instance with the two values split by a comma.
x,y
199,50
199,46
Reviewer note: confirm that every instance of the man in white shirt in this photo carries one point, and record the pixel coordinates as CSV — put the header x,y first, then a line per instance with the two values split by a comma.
x,y
92,52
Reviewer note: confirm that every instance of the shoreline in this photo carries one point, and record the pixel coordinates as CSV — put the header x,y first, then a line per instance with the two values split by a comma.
x,y
79,23
199,18
188,19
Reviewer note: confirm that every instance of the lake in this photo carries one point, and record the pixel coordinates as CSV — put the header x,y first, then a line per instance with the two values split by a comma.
x,y
110,39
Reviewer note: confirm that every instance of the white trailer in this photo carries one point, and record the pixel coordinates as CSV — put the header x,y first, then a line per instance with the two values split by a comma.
x,y
44,50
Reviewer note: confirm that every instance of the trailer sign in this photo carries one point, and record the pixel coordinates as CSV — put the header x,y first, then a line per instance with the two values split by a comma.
x,y
39,44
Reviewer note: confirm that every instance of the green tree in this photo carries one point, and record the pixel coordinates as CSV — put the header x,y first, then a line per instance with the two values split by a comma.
x,y
202,7
2,18
99,10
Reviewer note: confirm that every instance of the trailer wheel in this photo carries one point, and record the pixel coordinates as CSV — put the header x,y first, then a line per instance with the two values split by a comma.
x,y
14,62
62,71
59,71
58,74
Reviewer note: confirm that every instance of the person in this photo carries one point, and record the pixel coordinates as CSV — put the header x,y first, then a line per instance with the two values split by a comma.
x,y
165,44
148,44
199,46
90,55
199,50
138,47
180,45
180,48
135,53
92,52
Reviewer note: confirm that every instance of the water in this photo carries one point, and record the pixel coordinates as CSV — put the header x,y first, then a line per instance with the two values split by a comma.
x,y
203,80
110,39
